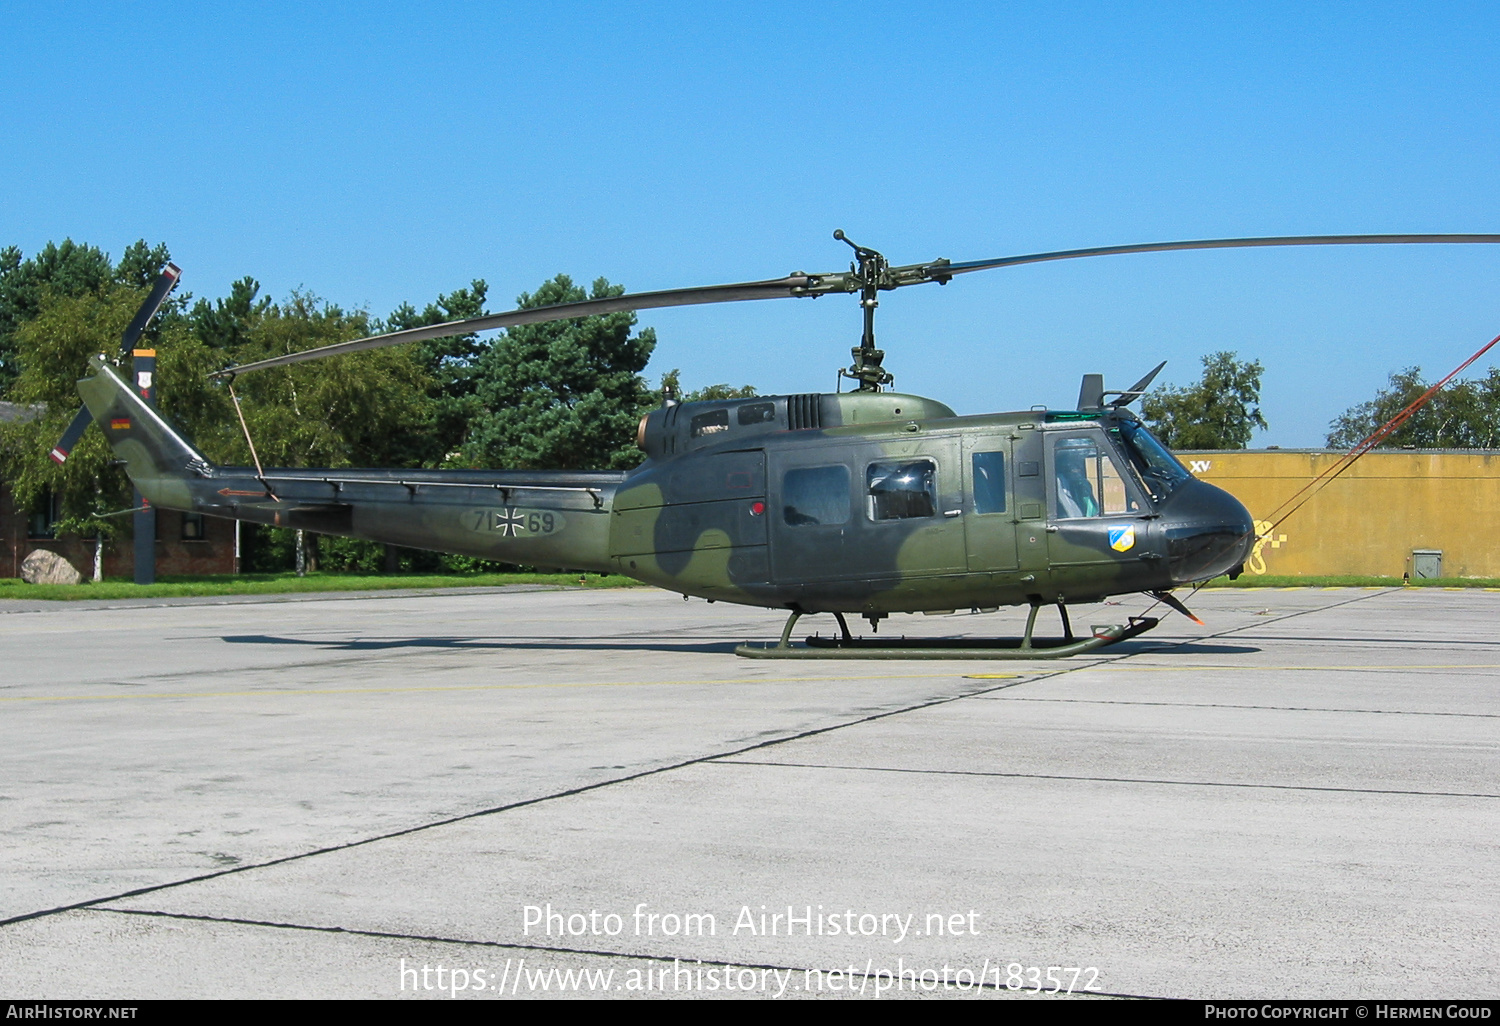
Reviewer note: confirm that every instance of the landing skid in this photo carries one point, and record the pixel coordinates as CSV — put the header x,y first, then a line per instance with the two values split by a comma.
x,y
845,646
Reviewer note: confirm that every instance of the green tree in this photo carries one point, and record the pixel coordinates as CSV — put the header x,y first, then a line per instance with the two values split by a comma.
x,y
563,394
226,323
67,270
70,270
373,408
362,409
671,388
139,267
450,362
1219,412
1464,415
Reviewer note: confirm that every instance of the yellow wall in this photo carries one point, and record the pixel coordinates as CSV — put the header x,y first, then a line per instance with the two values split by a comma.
x,y
1370,518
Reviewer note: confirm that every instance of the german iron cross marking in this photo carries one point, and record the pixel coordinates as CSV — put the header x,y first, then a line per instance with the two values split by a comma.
x,y
510,522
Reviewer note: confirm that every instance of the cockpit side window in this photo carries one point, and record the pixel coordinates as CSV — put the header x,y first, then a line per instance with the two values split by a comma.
x,y
1087,482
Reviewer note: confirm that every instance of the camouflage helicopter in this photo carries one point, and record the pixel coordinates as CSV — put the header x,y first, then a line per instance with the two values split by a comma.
x,y
866,502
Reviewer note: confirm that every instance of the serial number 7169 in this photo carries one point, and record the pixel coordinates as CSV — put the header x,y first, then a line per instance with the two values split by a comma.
x,y
513,521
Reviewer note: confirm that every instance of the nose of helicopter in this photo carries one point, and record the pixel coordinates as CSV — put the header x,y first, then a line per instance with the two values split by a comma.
x,y
1208,531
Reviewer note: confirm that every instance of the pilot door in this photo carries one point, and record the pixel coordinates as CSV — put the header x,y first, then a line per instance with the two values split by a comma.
x,y
1096,513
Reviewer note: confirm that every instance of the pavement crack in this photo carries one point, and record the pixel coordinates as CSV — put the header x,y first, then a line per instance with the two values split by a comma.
x,y
1265,708
548,949
508,807
1104,780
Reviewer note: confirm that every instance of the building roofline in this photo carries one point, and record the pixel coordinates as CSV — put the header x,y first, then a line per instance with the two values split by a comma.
x,y
15,412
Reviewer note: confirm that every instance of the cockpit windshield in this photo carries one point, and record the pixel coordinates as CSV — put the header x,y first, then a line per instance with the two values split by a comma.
x,y
1159,470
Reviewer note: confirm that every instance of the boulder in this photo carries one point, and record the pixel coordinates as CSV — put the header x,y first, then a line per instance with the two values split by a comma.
x,y
44,567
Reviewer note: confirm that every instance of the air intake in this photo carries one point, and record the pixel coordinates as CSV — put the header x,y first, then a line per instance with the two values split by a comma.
x,y
803,412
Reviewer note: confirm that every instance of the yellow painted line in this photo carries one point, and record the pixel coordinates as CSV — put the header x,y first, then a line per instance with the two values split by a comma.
x,y
1183,669
461,687
993,676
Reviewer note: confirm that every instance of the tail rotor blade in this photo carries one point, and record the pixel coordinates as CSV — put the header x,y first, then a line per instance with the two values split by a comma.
x,y
71,436
165,283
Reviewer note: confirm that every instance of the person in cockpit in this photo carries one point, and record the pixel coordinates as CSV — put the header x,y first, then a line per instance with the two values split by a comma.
x,y
1075,494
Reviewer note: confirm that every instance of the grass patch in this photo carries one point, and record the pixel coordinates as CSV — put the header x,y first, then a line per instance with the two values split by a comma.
x,y
290,583
1351,581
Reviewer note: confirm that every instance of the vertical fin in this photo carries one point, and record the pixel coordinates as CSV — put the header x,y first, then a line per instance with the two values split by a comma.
x,y
160,462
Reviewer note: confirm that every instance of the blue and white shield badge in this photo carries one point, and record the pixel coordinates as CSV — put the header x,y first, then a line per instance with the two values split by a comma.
x,y
1122,539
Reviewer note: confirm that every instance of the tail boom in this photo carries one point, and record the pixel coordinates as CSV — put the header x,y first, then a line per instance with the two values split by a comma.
x,y
540,518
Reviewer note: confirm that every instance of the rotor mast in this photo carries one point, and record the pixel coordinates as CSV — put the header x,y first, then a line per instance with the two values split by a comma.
x,y
868,273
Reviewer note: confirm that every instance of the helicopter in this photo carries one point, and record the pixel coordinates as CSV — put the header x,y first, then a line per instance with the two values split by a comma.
x,y
865,502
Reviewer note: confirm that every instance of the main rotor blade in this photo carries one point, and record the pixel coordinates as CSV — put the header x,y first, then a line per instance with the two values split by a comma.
x,y
803,285
1163,247
780,288
1138,389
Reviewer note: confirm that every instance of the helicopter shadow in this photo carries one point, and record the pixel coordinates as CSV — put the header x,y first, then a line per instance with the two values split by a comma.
x,y
1184,648
483,644
582,645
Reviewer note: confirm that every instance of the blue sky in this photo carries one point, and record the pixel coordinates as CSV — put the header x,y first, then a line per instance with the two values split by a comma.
x,y
379,153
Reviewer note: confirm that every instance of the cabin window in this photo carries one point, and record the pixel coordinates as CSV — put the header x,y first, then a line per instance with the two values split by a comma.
x,y
989,482
901,491
1088,482
757,413
815,495
710,423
